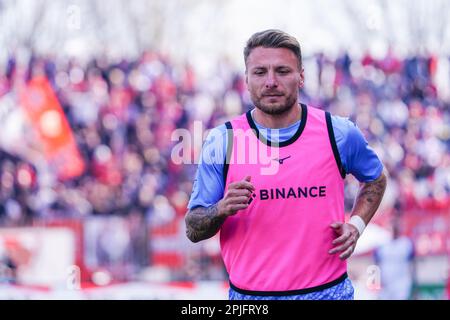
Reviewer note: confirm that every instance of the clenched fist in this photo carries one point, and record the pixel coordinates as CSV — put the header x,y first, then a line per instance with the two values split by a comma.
x,y
236,197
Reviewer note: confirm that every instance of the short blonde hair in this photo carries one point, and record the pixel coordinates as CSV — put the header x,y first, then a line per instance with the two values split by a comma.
x,y
273,38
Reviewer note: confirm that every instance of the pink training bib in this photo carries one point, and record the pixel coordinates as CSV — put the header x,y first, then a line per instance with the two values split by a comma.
x,y
281,241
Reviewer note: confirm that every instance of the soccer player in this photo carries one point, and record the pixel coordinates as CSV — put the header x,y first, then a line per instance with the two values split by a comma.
x,y
272,182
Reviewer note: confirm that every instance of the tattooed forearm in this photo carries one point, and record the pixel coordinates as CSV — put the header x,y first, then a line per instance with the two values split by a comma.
x,y
203,223
369,198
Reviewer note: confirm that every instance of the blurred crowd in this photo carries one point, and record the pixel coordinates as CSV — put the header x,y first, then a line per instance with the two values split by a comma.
x,y
402,107
123,114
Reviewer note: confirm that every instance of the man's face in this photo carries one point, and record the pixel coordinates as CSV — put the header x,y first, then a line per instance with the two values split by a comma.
x,y
273,78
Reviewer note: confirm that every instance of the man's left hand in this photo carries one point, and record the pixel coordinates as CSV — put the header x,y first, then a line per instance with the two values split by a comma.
x,y
346,241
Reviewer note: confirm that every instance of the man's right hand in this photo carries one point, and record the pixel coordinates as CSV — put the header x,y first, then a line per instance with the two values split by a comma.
x,y
236,197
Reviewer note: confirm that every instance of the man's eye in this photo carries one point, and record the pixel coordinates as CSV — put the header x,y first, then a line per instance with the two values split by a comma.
x,y
259,72
284,71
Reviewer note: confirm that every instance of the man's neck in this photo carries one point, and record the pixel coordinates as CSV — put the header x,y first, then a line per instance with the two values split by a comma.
x,y
277,121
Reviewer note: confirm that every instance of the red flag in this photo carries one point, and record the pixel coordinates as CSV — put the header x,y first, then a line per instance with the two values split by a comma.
x,y
47,118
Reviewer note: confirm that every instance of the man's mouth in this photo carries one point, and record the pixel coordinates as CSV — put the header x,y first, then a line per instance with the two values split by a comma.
x,y
273,95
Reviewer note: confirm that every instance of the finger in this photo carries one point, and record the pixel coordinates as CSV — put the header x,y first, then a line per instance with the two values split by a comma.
x,y
238,200
342,238
248,178
338,249
242,185
342,247
238,192
347,253
336,225
236,207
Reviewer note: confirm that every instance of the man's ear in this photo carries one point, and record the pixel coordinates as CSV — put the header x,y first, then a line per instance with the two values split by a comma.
x,y
246,76
302,78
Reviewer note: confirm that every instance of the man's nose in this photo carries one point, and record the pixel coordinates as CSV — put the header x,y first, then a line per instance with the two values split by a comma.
x,y
271,80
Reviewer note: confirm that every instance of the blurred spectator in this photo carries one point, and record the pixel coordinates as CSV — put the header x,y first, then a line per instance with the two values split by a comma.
x,y
8,267
17,186
396,262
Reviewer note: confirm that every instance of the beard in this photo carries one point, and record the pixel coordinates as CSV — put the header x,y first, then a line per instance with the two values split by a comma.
x,y
277,108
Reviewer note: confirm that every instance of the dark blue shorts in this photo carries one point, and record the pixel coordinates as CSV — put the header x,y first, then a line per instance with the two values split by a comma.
x,y
341,291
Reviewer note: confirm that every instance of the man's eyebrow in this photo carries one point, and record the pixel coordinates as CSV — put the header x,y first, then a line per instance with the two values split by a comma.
x,y
283,67
276,67
258,67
